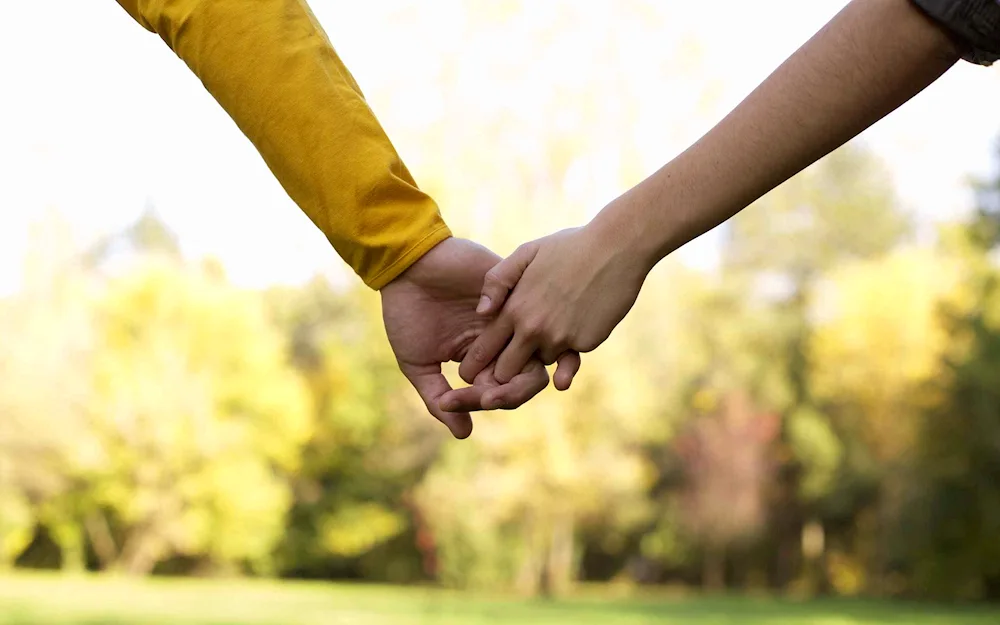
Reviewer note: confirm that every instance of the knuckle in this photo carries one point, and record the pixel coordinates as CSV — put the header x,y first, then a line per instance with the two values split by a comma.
x,y
478,354
586,344
559,339
532,327
500,278
492,278
515,309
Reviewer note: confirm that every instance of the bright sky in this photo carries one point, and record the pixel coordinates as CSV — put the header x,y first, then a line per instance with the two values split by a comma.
x,y
99,117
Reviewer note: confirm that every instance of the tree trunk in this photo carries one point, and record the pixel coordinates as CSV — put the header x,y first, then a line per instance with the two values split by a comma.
x,y
529,577
714,568
139,555
789,556
101,539
559,570
813,550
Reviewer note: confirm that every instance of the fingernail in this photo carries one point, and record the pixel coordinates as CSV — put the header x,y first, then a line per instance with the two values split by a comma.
x,y
494,404
484,304
449,405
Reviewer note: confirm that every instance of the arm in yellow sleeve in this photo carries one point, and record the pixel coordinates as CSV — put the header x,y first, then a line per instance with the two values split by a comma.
x,y
272,68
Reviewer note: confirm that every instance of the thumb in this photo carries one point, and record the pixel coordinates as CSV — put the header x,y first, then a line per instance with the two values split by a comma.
x,y
502,279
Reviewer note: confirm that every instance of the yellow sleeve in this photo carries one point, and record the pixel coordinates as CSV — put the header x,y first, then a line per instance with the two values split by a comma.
x,y
272,68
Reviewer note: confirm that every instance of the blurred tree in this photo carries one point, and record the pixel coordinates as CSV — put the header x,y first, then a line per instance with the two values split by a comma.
x,y
46,356
521,501
877,344
876,347
957,508
959,501
839,210
518,505
730,383
508,508
371,442
149,235
198,417
728,468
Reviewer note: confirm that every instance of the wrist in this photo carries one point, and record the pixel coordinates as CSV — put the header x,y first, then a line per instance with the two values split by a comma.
x,y
617,234
678,203
639,226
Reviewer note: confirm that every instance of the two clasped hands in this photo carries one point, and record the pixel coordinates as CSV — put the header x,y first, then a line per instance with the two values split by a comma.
x,y
549,301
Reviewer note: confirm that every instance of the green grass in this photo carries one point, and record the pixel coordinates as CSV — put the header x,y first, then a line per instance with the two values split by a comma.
x,y
51,600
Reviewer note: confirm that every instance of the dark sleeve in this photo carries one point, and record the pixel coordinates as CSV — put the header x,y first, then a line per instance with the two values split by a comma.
x,y
974,22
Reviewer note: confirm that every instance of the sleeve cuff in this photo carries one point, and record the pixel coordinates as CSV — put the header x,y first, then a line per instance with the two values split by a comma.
x,y
410,256
975,22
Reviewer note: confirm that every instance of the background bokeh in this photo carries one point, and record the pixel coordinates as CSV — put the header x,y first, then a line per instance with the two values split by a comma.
x,y
198,404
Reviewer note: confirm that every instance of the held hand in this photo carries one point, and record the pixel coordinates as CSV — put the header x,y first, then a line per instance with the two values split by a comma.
x,y
430,318
563,293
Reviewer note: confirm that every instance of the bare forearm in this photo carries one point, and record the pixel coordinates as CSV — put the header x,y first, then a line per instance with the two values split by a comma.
x,y
870,59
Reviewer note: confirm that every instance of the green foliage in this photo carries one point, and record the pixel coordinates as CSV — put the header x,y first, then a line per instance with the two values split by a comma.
x,y
370,442
958,507
17,524
813,439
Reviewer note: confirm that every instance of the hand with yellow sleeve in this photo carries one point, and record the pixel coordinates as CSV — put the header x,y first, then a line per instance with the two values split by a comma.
x,y
272,68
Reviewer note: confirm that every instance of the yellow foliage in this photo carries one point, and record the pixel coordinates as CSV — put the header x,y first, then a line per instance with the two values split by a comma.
x,y
355,529
879,341
198,411
846,574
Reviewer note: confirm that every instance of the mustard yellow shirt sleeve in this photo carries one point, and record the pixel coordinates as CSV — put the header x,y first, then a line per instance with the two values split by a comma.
x,y
273,69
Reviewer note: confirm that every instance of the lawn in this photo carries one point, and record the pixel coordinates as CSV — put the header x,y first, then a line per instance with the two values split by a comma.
x,y
51,600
